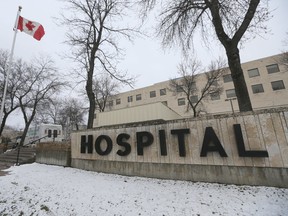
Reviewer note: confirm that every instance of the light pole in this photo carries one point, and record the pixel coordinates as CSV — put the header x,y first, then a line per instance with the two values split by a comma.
x,y
231,99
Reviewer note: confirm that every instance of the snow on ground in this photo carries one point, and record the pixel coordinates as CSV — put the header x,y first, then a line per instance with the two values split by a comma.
x,y
37,189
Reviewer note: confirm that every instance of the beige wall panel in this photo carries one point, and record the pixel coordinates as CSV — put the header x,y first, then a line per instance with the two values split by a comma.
x,y
238,161
253,138
195,143
270,140
281,138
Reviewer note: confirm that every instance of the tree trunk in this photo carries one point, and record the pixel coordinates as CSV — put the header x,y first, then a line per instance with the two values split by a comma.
x,y
92,104
238,79
3,123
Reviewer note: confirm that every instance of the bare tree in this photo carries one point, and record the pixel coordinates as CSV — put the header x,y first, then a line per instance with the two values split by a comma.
x,y
15,82
187,83
284,57
48,111
41,82
93,33
230,19
104,88
71,113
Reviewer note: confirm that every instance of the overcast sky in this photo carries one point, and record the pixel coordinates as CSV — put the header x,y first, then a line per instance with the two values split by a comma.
x,y
144,58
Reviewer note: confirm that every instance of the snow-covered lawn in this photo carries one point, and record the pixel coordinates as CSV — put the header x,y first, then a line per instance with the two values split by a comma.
x,y
37,189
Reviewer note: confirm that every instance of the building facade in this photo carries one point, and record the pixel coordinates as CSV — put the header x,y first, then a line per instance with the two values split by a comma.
x,y
266,79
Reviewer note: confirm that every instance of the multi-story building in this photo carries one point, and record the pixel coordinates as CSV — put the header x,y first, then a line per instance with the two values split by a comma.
x,y
266,79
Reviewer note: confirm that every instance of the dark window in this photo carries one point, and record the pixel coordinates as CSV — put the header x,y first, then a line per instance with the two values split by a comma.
x,y
214,83
215,96
181,101
130,98
193,85
272,68
110,103
138,97
227,78
257,88
118,101
152,94
179,88
253,72
230,93
162,91
194,99
277,85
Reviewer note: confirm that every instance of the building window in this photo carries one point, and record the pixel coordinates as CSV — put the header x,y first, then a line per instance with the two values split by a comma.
x,y
152,94
230,93
162,91
138,97
272,68
253,72
277,85
130,99
227,78
215,96
110,103
179,88
193,85
212,82
194,98
181,101
118,101
257,88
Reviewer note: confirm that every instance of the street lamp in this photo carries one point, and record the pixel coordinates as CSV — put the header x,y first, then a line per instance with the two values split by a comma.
x,y
231,99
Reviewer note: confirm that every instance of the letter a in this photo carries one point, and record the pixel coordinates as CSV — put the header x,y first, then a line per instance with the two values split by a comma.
x,y
211,138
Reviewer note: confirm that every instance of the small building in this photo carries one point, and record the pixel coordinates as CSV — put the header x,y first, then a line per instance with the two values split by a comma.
x,y
39,133
145,112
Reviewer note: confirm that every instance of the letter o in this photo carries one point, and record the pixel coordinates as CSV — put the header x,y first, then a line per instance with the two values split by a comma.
x,y
98,145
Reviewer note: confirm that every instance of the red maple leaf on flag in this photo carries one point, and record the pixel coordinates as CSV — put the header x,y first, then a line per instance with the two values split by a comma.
x,y
30,26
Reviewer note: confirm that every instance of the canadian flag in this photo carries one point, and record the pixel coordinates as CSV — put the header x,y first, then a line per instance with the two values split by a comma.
x,y
32,28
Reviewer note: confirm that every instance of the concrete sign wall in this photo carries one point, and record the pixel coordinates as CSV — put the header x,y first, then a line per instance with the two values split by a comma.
x,y
189,149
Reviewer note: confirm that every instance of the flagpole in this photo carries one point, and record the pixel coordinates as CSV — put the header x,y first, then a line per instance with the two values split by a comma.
x,y
10,64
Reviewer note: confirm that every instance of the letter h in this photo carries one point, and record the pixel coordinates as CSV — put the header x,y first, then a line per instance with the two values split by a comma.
x,y
85,144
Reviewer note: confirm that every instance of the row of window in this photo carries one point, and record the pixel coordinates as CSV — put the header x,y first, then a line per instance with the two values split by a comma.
x,y
230,93
274,68
139,97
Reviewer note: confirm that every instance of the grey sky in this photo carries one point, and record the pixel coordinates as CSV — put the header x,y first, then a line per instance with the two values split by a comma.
x,y
145,57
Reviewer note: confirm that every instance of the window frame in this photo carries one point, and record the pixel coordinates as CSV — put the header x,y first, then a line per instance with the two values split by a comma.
x,y
272,70
214,97
228,95
192,100
281,87
250,72
229,80
118,101
181,102
152,94
254,90
162,91
130,99
138,97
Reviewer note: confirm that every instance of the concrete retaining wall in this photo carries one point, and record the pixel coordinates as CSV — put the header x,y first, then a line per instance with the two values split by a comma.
x,y
276,177
261,131
56,153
